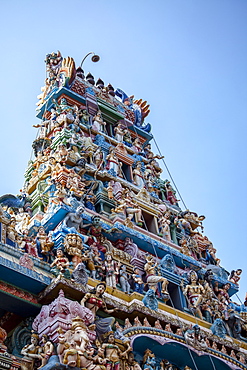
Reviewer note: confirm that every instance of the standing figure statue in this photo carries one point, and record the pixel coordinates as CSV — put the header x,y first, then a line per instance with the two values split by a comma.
x,y
138,282
119,132
113,166
111,270
164,226
194,293
138,175
153,279
124,279
98,123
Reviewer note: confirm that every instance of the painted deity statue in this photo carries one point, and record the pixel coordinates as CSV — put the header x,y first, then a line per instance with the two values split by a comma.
x,y
31,351
98,123
74,346
59,267
123,279
138,175
43,242
113,353
113,164
164,226
94,301
119,132
194,293
153,279
235,276
132,209
138,282
47,349
111,270
73,222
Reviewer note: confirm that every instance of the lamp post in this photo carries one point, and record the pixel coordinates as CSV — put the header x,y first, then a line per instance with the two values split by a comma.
x,y
95,58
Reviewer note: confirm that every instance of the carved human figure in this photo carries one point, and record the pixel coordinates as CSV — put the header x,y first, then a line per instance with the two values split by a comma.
x,y
149,154
194,293
43,242
98,123
137,145
43,126
164,226
113,163
73,247
123,279
149,361
194,338
11,231
74,344
183,224
65,112
110,189
95,230
138,282
94,300
60,265
30,245
132,209
171,194
60,195
223,297
235,276
153,279
32,351
113,353
119,132
111,268
23,220
90,200
118,334
127,323
61,153
98,158
83,116
47,348
127,137
138,175
73,222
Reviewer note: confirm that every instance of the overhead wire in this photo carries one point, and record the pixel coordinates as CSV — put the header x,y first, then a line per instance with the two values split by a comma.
x,y
169,173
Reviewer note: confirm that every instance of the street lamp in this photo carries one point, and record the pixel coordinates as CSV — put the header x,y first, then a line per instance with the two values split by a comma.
x,y
95,58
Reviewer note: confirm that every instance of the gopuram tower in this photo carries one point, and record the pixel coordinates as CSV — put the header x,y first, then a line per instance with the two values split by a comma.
x,y
100,267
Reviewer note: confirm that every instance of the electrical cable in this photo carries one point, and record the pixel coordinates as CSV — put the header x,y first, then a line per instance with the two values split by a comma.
x,y
169,173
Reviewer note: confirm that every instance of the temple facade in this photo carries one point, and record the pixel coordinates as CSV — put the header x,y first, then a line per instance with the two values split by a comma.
x,y
100,267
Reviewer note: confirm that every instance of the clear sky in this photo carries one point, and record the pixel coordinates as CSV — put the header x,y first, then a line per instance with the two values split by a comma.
x,y
187,58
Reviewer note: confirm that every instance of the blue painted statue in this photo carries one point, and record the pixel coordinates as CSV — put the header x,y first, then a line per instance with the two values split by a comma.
x,y
150,300
218,328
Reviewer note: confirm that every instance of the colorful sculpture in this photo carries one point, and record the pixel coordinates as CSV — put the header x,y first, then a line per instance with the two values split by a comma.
x,y
96,219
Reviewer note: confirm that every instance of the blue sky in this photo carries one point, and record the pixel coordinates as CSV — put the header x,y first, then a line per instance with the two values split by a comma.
x,y
186,58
